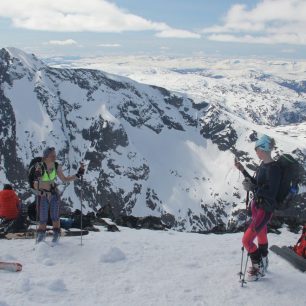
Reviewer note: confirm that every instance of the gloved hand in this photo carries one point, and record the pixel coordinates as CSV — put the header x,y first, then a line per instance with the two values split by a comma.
x,y
248,185
238,165
80,172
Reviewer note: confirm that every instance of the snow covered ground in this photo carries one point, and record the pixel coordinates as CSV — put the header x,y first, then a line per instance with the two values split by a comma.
x,y
142,267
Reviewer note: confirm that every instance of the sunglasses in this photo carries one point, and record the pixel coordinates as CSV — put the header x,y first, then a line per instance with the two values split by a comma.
x,y
48,151
51,149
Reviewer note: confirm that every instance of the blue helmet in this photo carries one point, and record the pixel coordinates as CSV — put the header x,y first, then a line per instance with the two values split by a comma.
x,y
264,143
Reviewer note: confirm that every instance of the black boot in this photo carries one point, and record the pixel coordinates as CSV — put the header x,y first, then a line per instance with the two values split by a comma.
x,y
263,250
255,271
56,234
41,235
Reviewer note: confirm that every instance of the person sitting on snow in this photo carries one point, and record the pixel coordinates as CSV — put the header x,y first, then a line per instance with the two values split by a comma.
x,y
13,219
9,203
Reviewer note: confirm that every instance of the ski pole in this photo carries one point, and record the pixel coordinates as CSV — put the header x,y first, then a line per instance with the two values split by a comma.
x,y
245,267
81,199
246,210
241,264
245,228
37,210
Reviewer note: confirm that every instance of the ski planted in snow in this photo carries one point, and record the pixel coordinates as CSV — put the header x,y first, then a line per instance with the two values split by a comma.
x,y
31,234
10,266
289,255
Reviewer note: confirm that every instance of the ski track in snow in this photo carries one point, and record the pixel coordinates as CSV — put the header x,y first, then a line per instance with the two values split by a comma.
x,y
142,267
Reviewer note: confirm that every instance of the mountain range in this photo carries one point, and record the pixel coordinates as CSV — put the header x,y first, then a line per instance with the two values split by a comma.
x,y
164,149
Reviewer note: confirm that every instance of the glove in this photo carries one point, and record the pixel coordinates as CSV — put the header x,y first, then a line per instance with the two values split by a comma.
x,y
80,172
248,185
238,165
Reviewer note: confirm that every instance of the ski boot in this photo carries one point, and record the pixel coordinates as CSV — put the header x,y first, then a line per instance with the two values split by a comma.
x,y
265,264
56,234
41,236
254,273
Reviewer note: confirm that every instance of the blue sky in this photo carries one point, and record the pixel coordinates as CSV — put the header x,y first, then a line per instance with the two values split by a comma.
x,y
265,28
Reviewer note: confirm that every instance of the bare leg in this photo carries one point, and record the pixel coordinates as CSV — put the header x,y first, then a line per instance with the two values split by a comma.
x,y
56,224
42,227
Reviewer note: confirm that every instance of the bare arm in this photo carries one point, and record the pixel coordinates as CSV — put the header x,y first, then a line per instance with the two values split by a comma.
x,y
64,178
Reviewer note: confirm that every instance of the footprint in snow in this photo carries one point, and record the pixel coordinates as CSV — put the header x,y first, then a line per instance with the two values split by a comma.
x,y
57,285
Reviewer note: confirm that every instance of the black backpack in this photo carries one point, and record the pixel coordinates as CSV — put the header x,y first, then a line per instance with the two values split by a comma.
x,y
32,166
291,172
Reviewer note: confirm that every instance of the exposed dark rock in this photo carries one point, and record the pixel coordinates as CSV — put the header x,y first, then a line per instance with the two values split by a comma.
x,y
152,199
150,222
12,165
200,106
219,131
168,220
299,87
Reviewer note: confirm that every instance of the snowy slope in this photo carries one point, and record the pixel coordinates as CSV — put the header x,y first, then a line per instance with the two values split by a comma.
x,y
148,151
270,92
246,97
140,142
136,268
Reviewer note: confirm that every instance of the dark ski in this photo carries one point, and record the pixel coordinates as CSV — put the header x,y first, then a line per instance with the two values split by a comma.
x,y
31,234
289,255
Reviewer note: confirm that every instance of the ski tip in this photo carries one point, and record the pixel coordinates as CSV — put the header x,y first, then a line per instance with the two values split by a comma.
x,y
11,266
18,267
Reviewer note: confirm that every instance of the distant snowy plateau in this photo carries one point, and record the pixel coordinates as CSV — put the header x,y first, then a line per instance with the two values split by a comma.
x,y
159,139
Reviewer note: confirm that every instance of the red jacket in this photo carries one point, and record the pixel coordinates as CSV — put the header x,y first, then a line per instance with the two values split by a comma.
x,y
300,247
9,204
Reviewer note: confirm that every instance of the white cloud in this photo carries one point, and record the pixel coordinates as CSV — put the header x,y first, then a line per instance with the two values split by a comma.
x,y
288,50
109,45
174,33
269,22
62,42
80,16
265,39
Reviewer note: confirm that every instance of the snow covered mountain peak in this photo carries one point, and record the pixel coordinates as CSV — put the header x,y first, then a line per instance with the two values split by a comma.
x,y
148,150
30,61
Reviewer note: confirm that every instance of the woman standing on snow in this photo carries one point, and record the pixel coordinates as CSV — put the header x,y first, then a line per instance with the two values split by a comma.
x,y
264,186
46,173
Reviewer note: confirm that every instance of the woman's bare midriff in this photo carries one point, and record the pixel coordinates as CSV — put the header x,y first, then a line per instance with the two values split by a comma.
x,y
43,185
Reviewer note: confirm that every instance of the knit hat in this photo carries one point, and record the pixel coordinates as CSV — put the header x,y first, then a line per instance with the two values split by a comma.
x,y
7,187
264,143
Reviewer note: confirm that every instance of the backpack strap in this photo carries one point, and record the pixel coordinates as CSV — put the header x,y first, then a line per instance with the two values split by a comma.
x,y
56,164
